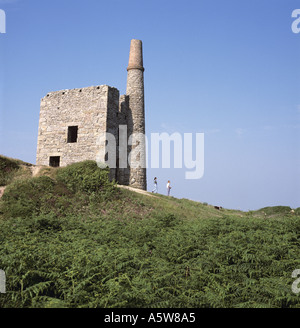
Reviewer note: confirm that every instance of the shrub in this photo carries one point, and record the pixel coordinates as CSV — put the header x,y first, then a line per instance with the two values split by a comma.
x,y
73,185
169,220
24,198
275,210
84,177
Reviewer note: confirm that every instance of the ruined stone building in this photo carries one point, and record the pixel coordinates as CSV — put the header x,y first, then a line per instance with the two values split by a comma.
x,y
71,122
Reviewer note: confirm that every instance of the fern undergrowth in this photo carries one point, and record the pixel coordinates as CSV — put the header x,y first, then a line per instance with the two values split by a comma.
x,y
68,242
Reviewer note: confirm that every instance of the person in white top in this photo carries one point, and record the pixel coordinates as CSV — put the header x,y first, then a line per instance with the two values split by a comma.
x,y
168,187
155,185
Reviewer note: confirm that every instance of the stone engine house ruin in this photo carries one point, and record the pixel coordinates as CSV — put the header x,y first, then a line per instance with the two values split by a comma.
x,y
71,122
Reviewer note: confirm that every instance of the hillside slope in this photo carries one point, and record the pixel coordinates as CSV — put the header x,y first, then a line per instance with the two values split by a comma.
x,y
71,238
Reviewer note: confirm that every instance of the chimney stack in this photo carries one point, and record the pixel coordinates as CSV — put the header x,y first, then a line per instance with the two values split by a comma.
x,y
136,55
136,124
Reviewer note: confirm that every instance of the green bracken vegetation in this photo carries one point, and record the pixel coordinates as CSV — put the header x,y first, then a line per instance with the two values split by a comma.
x,y
70,238
12,169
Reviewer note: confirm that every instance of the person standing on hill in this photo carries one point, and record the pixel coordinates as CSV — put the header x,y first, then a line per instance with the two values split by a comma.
x,y
155,185
168,187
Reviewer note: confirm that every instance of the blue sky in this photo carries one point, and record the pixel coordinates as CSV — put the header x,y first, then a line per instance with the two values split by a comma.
x,y
228,69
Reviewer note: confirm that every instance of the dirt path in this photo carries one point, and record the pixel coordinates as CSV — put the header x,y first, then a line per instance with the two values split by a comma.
x,y
140,191
35,169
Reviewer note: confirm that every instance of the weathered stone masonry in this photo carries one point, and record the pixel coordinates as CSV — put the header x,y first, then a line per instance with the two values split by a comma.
x,y
71,122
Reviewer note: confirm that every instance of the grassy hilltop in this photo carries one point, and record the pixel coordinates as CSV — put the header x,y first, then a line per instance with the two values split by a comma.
x,y
71,238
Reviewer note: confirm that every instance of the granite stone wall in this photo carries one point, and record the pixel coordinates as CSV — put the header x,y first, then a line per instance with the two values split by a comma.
x,y
93,110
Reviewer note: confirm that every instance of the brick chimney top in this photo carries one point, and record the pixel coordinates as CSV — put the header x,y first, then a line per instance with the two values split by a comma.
x,y
136,55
